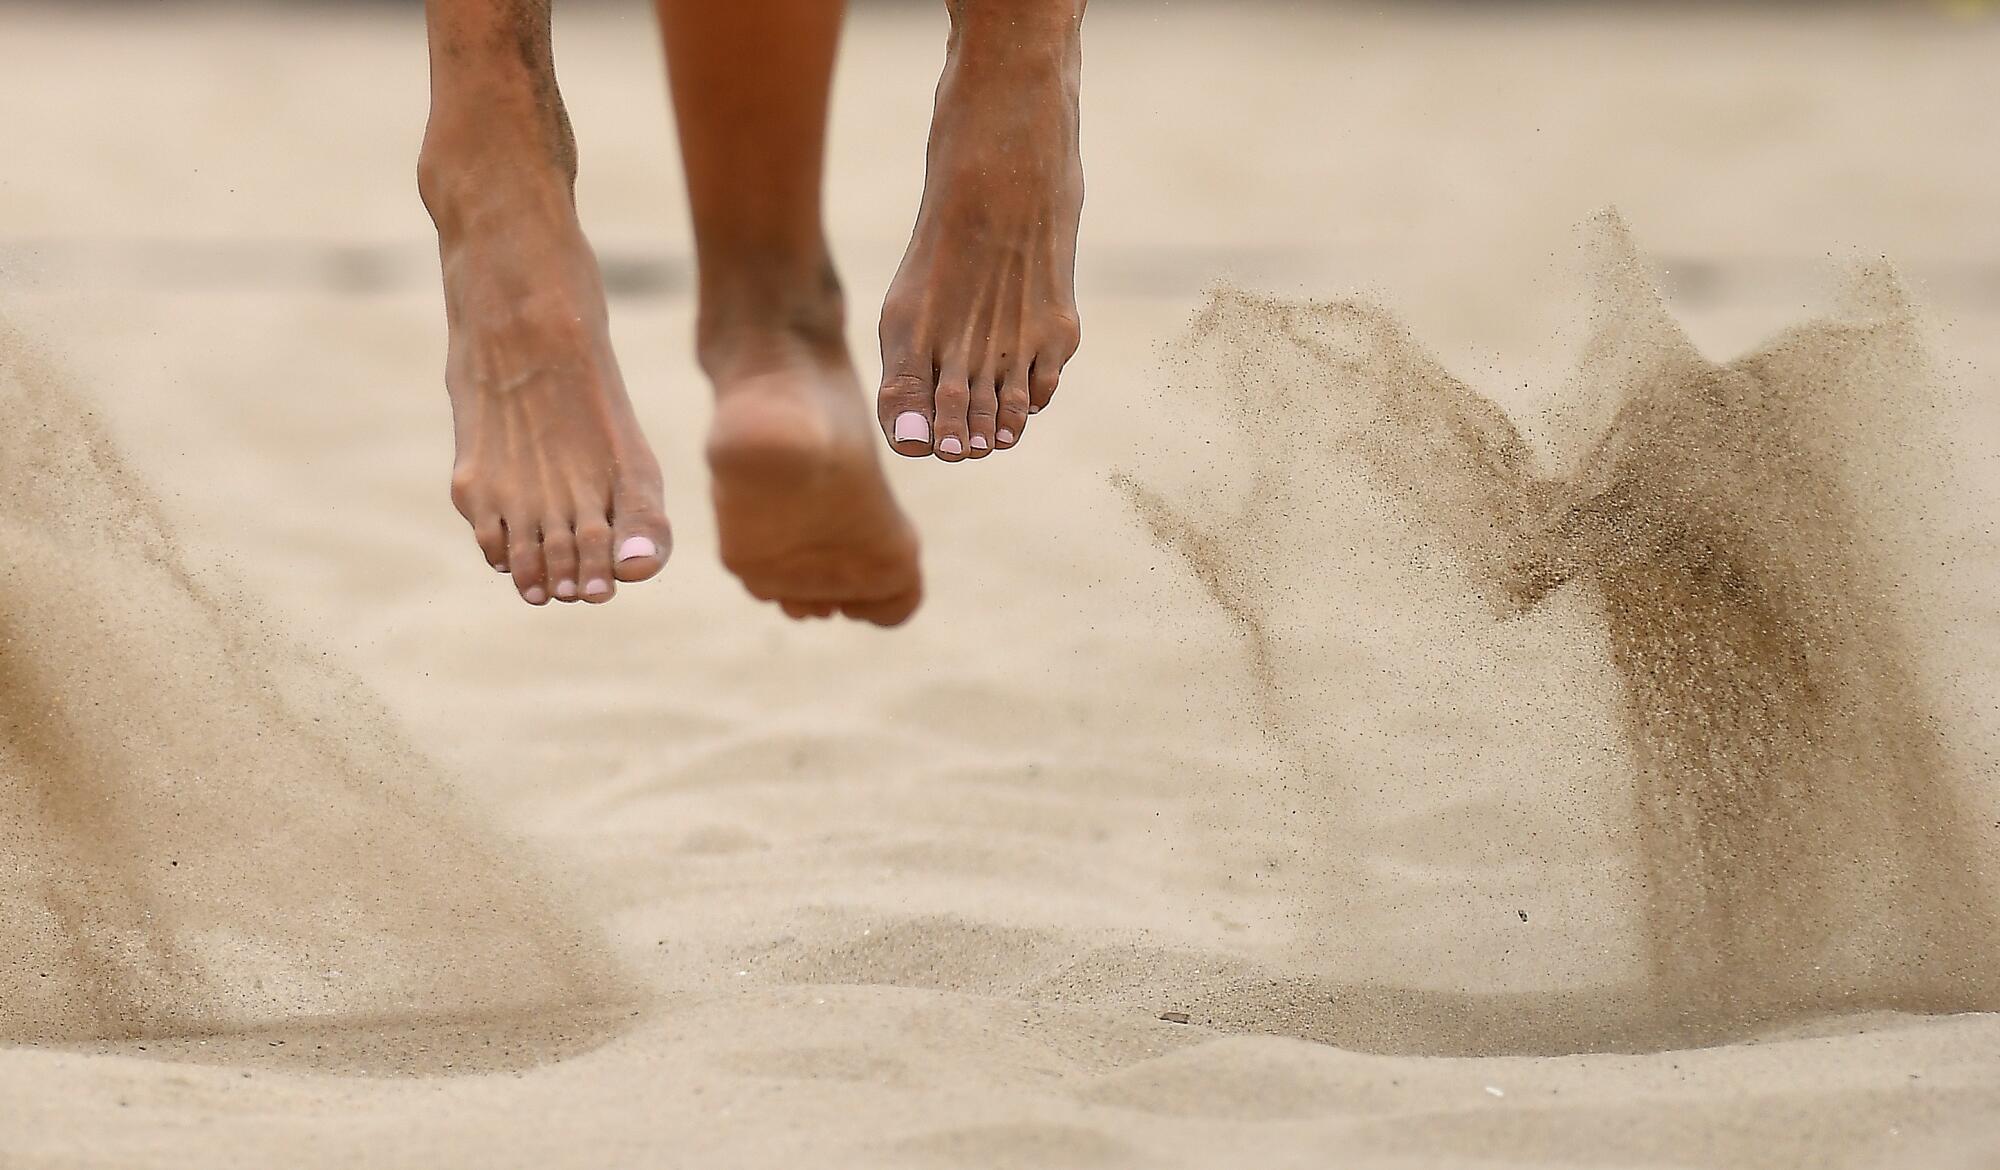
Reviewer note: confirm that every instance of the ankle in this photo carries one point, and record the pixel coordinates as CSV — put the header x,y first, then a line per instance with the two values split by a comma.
x,y
1023,16
1015,33
469,184
983,54
757,307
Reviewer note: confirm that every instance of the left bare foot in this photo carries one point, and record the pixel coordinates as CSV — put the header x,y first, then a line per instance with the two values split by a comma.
x,y
805,514
982,315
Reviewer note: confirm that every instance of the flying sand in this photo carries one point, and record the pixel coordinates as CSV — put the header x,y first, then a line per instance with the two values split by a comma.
x,y
207,831
1763,539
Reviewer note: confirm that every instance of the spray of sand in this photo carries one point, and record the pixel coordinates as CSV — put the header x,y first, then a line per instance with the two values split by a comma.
x,y
1760,556
212,840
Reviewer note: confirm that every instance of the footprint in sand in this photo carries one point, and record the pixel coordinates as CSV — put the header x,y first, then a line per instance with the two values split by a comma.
x,y
215,844
1767,543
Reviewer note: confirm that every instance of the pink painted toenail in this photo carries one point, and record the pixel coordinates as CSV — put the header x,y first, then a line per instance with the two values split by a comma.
x,y
500,568
979,443
636,547
1003,436
949,445
535,596
912,427
596,588
1033,409
566,589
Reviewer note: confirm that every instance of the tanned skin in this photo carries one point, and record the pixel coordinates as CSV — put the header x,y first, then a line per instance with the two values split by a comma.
x,y
552,472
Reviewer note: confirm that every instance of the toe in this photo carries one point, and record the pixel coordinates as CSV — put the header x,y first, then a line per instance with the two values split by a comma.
x,y
1012,418
641,540
1042,384
593,560
487,526
903,407
492,537
1059,345
891,612
981,413
524,558
639,556
954,396
559,566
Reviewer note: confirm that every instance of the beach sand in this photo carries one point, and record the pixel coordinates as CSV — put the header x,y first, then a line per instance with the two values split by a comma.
x,y
1418,699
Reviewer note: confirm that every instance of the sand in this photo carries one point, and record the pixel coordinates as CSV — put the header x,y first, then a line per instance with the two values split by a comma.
x,y
213,833
1762,559
1329,734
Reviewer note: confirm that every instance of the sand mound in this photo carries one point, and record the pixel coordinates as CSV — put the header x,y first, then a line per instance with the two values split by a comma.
x,y
1718,599
205,830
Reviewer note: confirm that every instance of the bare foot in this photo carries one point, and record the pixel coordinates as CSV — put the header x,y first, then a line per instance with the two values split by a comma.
x,y
806,517
552,472
982,315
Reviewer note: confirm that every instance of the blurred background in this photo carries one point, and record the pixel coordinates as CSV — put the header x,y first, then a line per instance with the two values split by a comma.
x,y
208,214
266,143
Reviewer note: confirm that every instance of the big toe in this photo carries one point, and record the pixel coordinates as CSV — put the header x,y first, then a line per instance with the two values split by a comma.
x,y
640,549
904,406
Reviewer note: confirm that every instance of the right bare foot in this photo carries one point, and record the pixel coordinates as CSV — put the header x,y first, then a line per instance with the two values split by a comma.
x,y
806,517
551,471
982,316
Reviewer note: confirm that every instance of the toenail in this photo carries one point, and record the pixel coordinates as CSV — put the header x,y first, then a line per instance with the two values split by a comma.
x,y
949,445
566,589
596,588
535,596
636,547
1003,436
979,443
912,427
1033,409
501,568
